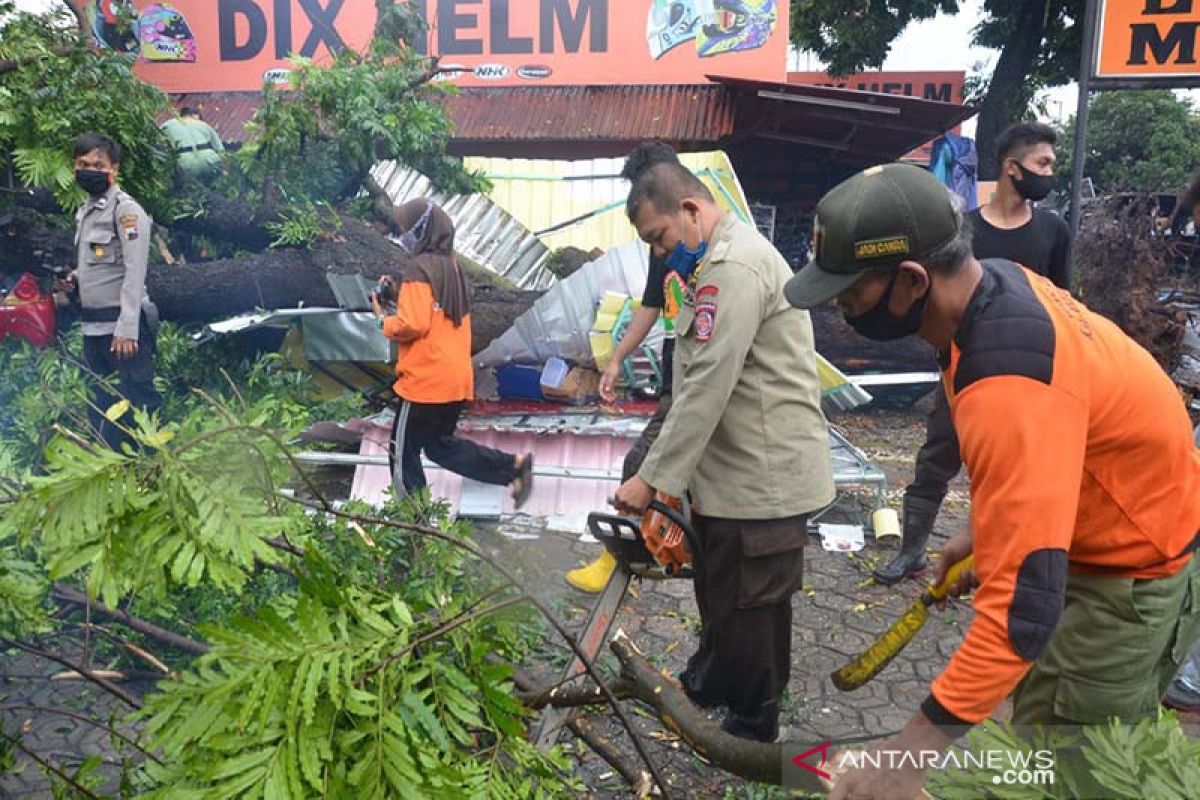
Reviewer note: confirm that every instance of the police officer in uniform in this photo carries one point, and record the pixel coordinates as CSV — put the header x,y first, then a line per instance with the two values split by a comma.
x,y
112,240
745,438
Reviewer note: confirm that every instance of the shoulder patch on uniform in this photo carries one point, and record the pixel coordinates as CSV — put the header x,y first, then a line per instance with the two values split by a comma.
x,y
706,313
1009,331
707,289
129,225
129,219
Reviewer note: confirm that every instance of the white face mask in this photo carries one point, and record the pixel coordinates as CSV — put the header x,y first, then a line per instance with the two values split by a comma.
x,y
411,239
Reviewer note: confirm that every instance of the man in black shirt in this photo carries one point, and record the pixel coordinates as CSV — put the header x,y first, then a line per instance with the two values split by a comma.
x,y
1007,226
662,295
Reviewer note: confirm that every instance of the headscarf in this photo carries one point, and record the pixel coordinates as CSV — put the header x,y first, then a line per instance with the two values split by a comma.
x,y
427,233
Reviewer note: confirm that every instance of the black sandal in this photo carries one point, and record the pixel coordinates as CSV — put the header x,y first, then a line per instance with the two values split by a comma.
x,y
525,476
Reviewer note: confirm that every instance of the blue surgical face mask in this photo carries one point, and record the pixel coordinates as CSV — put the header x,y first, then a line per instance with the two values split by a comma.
x,y
683,259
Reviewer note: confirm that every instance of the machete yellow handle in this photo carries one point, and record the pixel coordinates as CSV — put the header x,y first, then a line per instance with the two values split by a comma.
x,y
939,592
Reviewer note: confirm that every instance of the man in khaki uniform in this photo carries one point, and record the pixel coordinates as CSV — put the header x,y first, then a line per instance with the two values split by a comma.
x,y
197,145
112,240
745,438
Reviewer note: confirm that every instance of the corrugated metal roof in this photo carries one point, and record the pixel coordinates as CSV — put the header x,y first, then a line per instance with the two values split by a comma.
x,y
228,112
582,203
564,121
484,232
868,126
687,116
564,501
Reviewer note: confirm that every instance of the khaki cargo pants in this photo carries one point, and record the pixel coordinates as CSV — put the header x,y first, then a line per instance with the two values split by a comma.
x,y
1115,650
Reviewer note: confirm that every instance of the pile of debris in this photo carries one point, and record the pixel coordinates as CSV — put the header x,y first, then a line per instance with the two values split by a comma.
x,y
1143,279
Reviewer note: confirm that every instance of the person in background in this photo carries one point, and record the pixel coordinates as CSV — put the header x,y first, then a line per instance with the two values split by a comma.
x,y
1184,692
198,147
745,439
434,375
660,282
112,241
1085,480
1008,226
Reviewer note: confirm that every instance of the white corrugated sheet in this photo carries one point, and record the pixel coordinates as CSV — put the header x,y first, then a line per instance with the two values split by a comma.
x,y
558,324
484,232
582,203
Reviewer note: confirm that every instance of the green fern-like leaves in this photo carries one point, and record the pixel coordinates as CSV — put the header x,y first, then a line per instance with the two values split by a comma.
x,y
186,512
328,701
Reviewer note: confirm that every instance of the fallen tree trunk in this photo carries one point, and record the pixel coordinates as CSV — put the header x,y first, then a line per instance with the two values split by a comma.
x,y
639,680
207,291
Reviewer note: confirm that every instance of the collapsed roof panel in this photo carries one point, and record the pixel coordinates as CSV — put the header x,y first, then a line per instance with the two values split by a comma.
x,y
582,203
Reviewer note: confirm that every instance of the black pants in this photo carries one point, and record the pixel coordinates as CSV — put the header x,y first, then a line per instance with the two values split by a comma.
x,y
429,427
135,383
744,588
939,459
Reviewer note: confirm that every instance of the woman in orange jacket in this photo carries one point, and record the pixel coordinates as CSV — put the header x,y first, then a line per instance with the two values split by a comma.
x,y
434,377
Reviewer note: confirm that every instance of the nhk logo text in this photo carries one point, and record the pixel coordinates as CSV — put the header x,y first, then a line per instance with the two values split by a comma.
x,y
1010,767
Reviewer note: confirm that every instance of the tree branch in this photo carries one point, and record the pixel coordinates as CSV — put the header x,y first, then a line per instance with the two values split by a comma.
x,y
106,685
512,579
65,594
639,781
82,790
81,718
81,19
441,630
756,761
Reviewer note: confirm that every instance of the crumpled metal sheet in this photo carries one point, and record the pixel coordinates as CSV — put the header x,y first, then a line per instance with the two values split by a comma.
x,y
558,324
484,232
330,334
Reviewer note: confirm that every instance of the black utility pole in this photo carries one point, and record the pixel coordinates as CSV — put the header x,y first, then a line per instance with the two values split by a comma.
x,y
1086,66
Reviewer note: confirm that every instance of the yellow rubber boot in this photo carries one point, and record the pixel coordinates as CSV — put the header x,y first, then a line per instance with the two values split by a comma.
x,y
594,577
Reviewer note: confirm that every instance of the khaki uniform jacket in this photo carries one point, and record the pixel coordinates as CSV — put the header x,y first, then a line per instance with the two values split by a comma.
x,y
197,145
112,244
745,434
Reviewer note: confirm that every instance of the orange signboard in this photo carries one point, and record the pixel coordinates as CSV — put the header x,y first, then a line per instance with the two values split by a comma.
x,y
1148,39
228,45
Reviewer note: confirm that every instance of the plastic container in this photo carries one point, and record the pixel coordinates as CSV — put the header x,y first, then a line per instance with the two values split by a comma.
x,y
519,382
885,523
554,373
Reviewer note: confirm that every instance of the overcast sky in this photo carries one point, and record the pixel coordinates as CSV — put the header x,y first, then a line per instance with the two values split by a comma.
x,y
942,43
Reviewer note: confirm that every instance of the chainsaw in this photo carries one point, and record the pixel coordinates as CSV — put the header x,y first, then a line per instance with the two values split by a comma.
x,y
663,545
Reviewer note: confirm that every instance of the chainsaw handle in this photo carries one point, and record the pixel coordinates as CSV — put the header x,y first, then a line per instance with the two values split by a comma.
x,y
685,525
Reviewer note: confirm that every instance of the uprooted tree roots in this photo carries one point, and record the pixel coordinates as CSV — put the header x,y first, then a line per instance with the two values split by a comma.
x,y
1123,269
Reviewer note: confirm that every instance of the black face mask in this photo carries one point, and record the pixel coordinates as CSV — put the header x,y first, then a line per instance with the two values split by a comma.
x,y
1032,186
878,323
93,181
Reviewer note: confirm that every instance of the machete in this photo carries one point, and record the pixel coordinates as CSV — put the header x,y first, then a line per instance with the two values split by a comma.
x,y
862,669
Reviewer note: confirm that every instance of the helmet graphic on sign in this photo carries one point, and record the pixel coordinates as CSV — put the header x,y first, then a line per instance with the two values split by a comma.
x,y
671,23
733,25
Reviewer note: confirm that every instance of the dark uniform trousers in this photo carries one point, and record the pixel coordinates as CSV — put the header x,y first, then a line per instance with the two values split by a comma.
x,y
939,459
744,589
135,383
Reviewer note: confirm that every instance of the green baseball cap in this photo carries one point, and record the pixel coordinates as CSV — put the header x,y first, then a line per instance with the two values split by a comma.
x,y
872,221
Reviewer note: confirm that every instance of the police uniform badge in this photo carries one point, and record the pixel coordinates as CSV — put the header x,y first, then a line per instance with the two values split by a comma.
x,y
706,313
129,226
